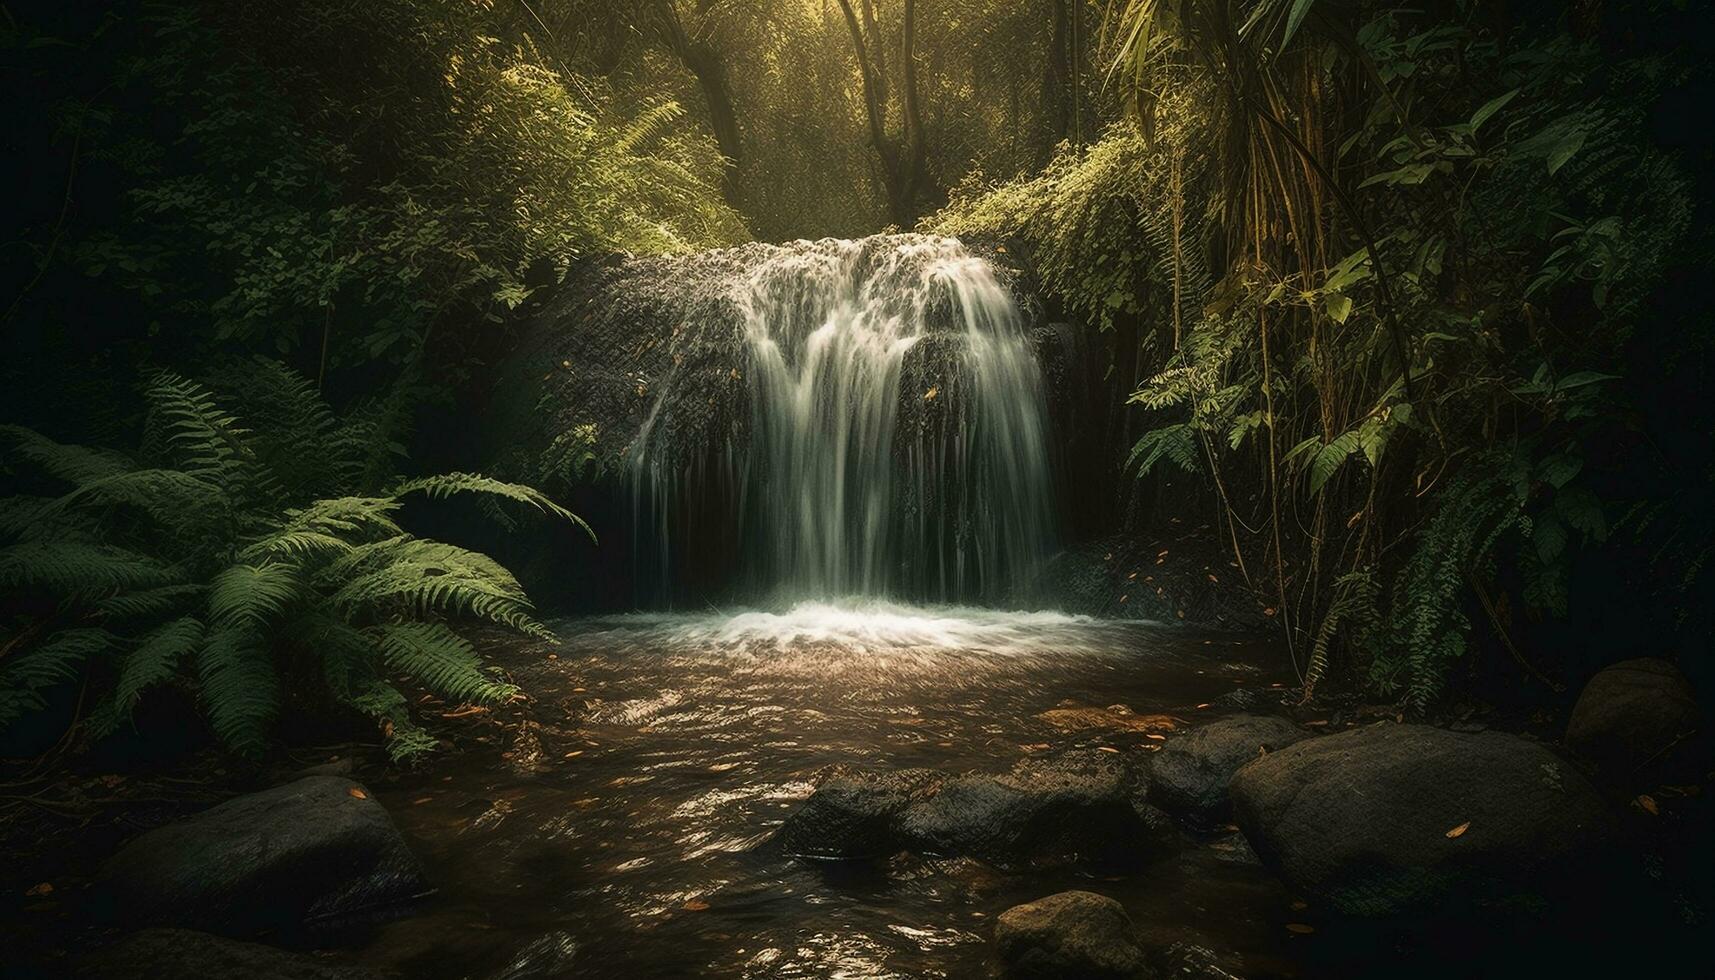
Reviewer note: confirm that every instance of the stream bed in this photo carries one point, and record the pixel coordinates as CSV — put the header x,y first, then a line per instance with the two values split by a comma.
x,y
622,833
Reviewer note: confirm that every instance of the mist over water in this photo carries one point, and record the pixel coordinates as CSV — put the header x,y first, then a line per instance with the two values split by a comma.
x,y
897,439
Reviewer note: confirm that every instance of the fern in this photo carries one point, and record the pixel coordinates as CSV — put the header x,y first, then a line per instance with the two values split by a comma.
x,y
154,661
57,660
211,562
240,689
79,569
1175,443
441,660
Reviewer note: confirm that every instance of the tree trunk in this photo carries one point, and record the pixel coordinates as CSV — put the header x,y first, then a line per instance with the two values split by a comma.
x,y
705,64
903,172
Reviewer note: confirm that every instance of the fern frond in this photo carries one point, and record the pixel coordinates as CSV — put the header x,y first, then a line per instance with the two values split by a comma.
x,y
77,569
446,484
335,516
56,660
1175,442
240,690
249,596
193,428
424,577
63,461
176,499
153,662
440,660
147,603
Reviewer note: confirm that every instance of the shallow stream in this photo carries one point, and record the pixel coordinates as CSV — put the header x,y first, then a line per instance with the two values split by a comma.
x,y
624,834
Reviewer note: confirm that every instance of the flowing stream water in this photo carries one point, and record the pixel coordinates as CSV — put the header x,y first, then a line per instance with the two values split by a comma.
x,y
626,834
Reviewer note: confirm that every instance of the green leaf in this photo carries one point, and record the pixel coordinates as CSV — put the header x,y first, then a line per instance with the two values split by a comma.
x,y
1293,19
1490,108
1339,306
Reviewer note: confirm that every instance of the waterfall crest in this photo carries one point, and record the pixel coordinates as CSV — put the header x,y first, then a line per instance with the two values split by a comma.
x,y
896,443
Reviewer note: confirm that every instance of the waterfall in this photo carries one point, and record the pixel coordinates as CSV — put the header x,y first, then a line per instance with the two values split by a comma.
x,y
896,438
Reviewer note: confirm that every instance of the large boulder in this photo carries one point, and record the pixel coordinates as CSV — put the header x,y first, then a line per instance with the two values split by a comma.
x,y
315,851
1076,808
181,954
1396,819
1069,936
1191,773
1631,716
853,814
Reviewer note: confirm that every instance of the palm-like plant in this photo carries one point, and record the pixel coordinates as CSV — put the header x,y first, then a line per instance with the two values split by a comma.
x,y
220,556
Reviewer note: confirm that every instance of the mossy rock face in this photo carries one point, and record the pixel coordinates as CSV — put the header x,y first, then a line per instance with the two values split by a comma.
x,y
1412,820
316,852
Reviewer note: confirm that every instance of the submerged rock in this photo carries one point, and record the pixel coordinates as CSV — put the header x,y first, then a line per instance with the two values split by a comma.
x,y
313,851
1631,716
853,813
1073,934
1076,808
1072,717
1396,819
172,954
1191,773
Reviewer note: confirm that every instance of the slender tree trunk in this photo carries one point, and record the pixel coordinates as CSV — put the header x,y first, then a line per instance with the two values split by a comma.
x,y
705,64
903,171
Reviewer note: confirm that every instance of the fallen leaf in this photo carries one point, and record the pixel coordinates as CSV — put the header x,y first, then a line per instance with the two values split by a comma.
x,y
45,888
475,709
357,793
1268,611
1156,738
695,905
574,754
1318,723
1300,928
929,395
1459,831
1124,598
1108,748
1203,705
1647,802
1213,579
723,766
419,801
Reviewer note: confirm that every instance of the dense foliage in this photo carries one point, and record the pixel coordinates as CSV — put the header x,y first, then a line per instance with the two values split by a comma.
x,y
1389,276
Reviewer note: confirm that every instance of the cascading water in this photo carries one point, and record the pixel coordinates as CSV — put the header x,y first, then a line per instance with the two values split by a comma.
x,y
896,440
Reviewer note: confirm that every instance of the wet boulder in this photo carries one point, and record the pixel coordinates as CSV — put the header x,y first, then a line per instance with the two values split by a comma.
x,y
853,814
316,851
1409,819
1632,716
1191,772
154,954
1075,934
1074,808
